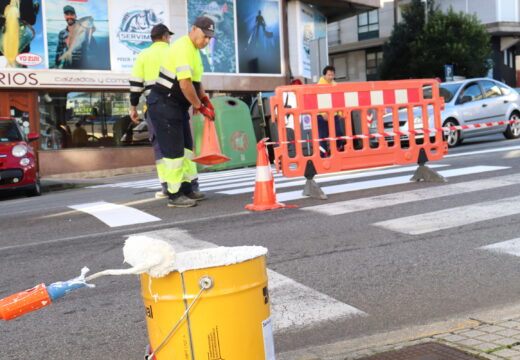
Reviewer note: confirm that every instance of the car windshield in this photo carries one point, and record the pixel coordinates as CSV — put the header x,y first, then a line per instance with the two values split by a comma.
x,y
9,132
447,91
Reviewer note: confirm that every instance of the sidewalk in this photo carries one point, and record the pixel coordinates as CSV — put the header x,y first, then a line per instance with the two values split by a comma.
x,y
491,335
89,178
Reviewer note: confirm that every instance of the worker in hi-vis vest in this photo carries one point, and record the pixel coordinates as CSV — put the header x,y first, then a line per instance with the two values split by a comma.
x,y
144,74
177,88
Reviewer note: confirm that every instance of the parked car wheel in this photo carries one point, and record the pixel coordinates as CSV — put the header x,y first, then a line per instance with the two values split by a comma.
x,y
36,190
513,130
453,136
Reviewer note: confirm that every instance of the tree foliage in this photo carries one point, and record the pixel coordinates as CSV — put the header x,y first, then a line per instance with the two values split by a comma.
x,y
419,50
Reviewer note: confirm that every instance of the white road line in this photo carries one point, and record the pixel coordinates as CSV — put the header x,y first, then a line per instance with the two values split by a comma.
x,y
362,185
329,178
115,215
432,192
293,305
508,148
454,217
511,247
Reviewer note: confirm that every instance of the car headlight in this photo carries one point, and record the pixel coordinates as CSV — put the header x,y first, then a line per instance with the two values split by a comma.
x,y
25,162
19,150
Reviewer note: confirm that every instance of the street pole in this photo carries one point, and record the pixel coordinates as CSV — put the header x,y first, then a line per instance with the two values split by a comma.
x,y
425,11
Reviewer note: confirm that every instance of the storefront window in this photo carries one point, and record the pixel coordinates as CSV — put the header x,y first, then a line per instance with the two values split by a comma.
x,y
88,119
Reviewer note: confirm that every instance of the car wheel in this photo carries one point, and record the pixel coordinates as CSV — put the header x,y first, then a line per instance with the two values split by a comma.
x,y
36,190
453,136
513,130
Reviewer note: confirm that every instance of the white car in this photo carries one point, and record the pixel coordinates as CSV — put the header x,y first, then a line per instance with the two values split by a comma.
x,y
467,102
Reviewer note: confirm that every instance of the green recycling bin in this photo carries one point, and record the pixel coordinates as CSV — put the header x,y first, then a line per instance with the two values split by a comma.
x,y
234,131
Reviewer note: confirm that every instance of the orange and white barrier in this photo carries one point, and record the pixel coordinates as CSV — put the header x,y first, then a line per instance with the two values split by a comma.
x,y
295,110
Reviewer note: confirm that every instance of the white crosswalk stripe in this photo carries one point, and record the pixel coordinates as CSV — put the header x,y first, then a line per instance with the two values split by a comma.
x,y
374,202
511,247
115,215
453,217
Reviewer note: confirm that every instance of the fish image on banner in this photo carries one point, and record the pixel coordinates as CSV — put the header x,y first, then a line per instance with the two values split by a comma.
x,y
131,24
219,55
21,28
78,34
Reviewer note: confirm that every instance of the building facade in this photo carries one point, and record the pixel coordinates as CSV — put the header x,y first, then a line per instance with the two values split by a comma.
x,y
356,43
64,65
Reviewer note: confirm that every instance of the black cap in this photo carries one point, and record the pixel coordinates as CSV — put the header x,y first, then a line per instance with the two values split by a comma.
x,y
68,9
206,25
159,31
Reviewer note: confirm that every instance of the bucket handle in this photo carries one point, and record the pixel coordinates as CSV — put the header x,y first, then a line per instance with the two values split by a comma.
x,y
205,283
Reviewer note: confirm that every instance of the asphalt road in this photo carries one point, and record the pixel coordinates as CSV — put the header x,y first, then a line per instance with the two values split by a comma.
x,y
360,260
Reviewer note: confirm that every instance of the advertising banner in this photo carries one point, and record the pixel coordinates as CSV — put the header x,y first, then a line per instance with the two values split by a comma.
x,y
21,34
78,34
130,24
313,27
258,27
219,55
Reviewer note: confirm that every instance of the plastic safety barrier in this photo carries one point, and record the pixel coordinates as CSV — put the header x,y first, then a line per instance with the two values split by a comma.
x,y
360,118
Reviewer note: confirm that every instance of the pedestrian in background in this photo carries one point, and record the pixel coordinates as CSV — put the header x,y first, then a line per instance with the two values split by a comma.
x,y
329,72
144,74
178,88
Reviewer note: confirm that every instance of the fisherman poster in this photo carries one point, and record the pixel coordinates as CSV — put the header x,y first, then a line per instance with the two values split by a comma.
x,y
258,32
21,34
219,55
77,34
131,22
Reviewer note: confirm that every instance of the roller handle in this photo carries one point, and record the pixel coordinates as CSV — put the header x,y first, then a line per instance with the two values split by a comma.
x,y
24,302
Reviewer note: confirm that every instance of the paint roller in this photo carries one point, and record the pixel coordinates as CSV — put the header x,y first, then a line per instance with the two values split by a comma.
x,y
146,255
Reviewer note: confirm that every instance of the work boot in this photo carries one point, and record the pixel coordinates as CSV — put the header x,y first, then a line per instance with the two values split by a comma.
x,y
181,201
163,194
196,195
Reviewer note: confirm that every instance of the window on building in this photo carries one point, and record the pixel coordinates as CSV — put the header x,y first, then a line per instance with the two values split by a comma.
x,y
374,58
509,57
340,64
368,25
88,119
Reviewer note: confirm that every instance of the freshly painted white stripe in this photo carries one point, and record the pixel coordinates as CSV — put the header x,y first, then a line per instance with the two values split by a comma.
x,y
351,99
454,217
326,178
401,96
263,173
511,247
376,97
293,305
469,153
115,215
324,101
336,189
431,192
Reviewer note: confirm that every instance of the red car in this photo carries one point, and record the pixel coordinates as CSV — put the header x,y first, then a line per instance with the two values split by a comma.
x,y
18,164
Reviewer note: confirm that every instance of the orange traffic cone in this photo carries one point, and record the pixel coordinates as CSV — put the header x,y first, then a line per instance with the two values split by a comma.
x,y
210,148
265,194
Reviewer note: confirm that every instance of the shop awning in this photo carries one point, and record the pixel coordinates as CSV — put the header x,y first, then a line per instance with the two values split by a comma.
x,y
336,10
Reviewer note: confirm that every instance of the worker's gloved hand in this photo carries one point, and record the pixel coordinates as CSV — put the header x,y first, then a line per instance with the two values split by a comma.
x,y
205,100
206,111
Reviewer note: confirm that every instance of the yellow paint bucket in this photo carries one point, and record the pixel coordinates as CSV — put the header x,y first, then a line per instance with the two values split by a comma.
x,y
223,294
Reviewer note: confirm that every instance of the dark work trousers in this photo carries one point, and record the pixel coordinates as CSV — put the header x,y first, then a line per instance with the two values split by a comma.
x,y
171,129
323,132
153,138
